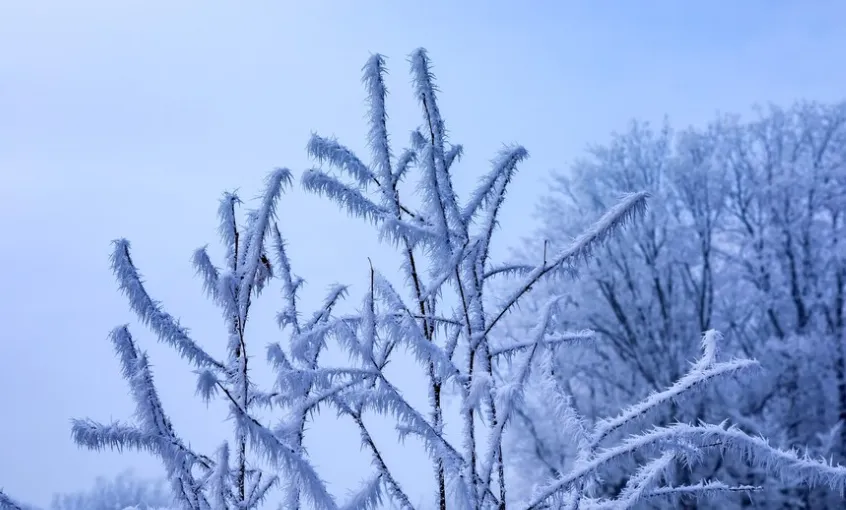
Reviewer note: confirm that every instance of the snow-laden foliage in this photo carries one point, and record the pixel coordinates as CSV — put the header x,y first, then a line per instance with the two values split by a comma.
x,y
441,311
744,234
7,503
126,490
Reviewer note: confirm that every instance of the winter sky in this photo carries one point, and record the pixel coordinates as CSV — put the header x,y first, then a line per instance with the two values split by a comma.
x,y
127,119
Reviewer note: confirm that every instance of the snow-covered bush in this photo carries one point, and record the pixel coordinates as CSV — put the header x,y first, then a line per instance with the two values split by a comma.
x,y
440,309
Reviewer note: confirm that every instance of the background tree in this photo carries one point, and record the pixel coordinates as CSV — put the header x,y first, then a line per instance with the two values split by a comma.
x,y
743,236
123,491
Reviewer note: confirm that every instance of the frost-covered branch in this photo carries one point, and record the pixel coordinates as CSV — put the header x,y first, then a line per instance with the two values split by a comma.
x,y
683,443
150,313
553,340
628,208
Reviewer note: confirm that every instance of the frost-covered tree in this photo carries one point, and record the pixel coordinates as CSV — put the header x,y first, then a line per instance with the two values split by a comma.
x,y
737,209
786,202
126,490
647,293
440,309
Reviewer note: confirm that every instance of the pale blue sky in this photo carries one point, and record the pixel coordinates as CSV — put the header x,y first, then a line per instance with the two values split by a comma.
x,y
129,118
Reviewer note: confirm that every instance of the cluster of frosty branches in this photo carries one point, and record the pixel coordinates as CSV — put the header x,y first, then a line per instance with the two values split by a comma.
x,y
667,447
442,314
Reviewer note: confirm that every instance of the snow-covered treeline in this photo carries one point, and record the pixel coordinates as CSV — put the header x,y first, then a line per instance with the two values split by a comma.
x,y
126,490
745,234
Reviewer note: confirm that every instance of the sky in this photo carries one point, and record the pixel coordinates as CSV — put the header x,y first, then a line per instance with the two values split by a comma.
x,y
128,119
